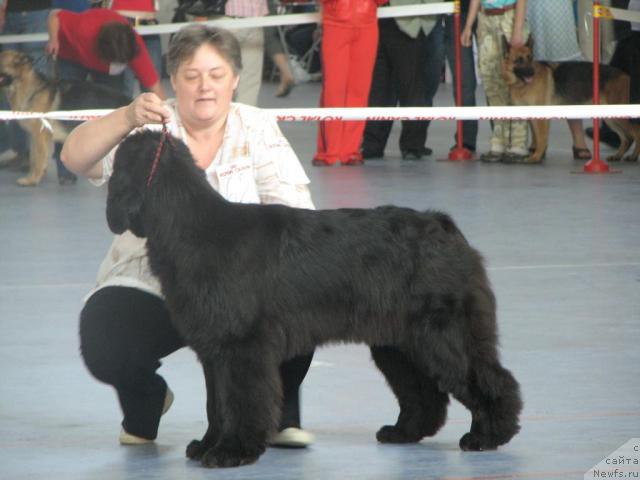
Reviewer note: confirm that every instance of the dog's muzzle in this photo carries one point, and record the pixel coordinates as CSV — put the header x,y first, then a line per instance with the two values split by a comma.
x,y
525,74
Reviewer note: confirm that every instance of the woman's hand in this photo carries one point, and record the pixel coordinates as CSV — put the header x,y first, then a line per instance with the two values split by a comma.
x,y
517,39
53,46
146,108
465,37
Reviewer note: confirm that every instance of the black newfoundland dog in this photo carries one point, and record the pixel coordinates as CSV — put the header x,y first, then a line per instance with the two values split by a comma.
x,y
249,286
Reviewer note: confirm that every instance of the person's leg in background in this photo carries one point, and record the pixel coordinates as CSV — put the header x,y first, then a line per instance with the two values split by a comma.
x,y
17,23
335,71
410,83
468,77
274,51
67,70
362,57
252,47
154,47
507,136
433,64
290,432
382,93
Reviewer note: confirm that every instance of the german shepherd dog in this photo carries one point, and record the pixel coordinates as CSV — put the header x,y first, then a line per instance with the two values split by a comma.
x,y
27,90
566,83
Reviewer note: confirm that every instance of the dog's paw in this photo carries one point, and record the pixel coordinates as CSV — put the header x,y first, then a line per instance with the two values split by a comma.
x,y
195,450
393,434
28,181
630,158
472,442
613,158
225,457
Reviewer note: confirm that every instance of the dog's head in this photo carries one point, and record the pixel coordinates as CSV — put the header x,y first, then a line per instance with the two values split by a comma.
x,y
518,63
135,179
13,65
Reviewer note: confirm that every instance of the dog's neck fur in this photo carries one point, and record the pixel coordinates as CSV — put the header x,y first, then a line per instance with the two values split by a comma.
x,y
24,87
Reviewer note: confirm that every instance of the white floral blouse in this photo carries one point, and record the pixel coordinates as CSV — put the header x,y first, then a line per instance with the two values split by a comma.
x,y
255,164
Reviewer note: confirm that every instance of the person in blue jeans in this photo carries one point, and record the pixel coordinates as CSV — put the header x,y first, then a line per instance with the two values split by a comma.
x,y
469,82
23,17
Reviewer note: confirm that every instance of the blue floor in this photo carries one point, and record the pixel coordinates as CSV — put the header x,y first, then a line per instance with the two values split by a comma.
x,y
563,253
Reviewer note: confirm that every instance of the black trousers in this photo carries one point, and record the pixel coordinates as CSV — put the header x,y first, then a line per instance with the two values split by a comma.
x,y
124,332
407,72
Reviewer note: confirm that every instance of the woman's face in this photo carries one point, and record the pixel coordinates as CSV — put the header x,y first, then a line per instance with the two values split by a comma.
x,y
204,86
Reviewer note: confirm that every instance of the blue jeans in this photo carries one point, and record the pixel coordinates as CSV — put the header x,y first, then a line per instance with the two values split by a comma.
x,y
67,70
17,23
154,48
469,83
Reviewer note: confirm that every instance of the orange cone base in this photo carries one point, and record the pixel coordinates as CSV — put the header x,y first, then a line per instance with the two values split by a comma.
x,y
460,153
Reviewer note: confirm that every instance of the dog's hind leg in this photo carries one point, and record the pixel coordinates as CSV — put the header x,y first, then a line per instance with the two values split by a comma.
x,y
492,395
423,408
622,129
248,394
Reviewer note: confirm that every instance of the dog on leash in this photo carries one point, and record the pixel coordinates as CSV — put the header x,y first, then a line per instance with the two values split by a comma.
x,y
566,83
29,91
249,286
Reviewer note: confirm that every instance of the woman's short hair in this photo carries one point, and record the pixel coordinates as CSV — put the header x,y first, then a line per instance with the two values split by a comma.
x,y
188,39
116,42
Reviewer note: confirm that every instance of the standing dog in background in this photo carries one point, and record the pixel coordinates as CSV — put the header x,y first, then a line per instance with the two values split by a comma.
x,y
29,91
566,83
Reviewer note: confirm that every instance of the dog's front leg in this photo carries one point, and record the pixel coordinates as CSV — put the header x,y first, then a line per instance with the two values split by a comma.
x,y
40,146
540,130
248,397
197,448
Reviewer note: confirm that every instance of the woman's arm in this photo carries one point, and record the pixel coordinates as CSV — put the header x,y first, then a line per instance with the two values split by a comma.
x,y
517,39
465,37
53,26
90,142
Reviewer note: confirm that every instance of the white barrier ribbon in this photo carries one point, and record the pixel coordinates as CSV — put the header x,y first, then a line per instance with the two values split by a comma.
x,y
253,22
550,112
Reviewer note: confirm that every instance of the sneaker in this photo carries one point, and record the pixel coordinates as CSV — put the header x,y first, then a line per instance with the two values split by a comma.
x,y
67,179
416,154
492,157
127,438
353,160
372,154
292,437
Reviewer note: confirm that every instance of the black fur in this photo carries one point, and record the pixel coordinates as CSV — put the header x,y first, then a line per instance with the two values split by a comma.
x,y
249,286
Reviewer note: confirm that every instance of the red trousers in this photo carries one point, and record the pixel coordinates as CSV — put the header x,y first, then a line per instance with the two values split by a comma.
x,y
348,57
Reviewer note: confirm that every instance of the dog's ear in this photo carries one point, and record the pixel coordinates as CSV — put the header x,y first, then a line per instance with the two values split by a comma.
x,y
125,203
530,42
22,59
506,47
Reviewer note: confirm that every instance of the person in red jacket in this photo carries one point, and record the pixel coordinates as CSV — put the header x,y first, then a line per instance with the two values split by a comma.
x,y
100,42
349,44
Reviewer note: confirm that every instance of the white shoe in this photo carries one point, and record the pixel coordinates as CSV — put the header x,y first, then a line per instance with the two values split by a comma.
x,y
126,438
292,437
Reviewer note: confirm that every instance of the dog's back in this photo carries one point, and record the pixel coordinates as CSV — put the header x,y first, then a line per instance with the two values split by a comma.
x,y
573,83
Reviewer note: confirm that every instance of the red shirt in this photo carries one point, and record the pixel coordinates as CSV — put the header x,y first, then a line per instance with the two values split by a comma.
x,y
77,38
134,5
353,13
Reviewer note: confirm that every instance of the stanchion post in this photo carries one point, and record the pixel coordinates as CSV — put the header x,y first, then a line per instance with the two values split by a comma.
x,y
458,152
596,165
